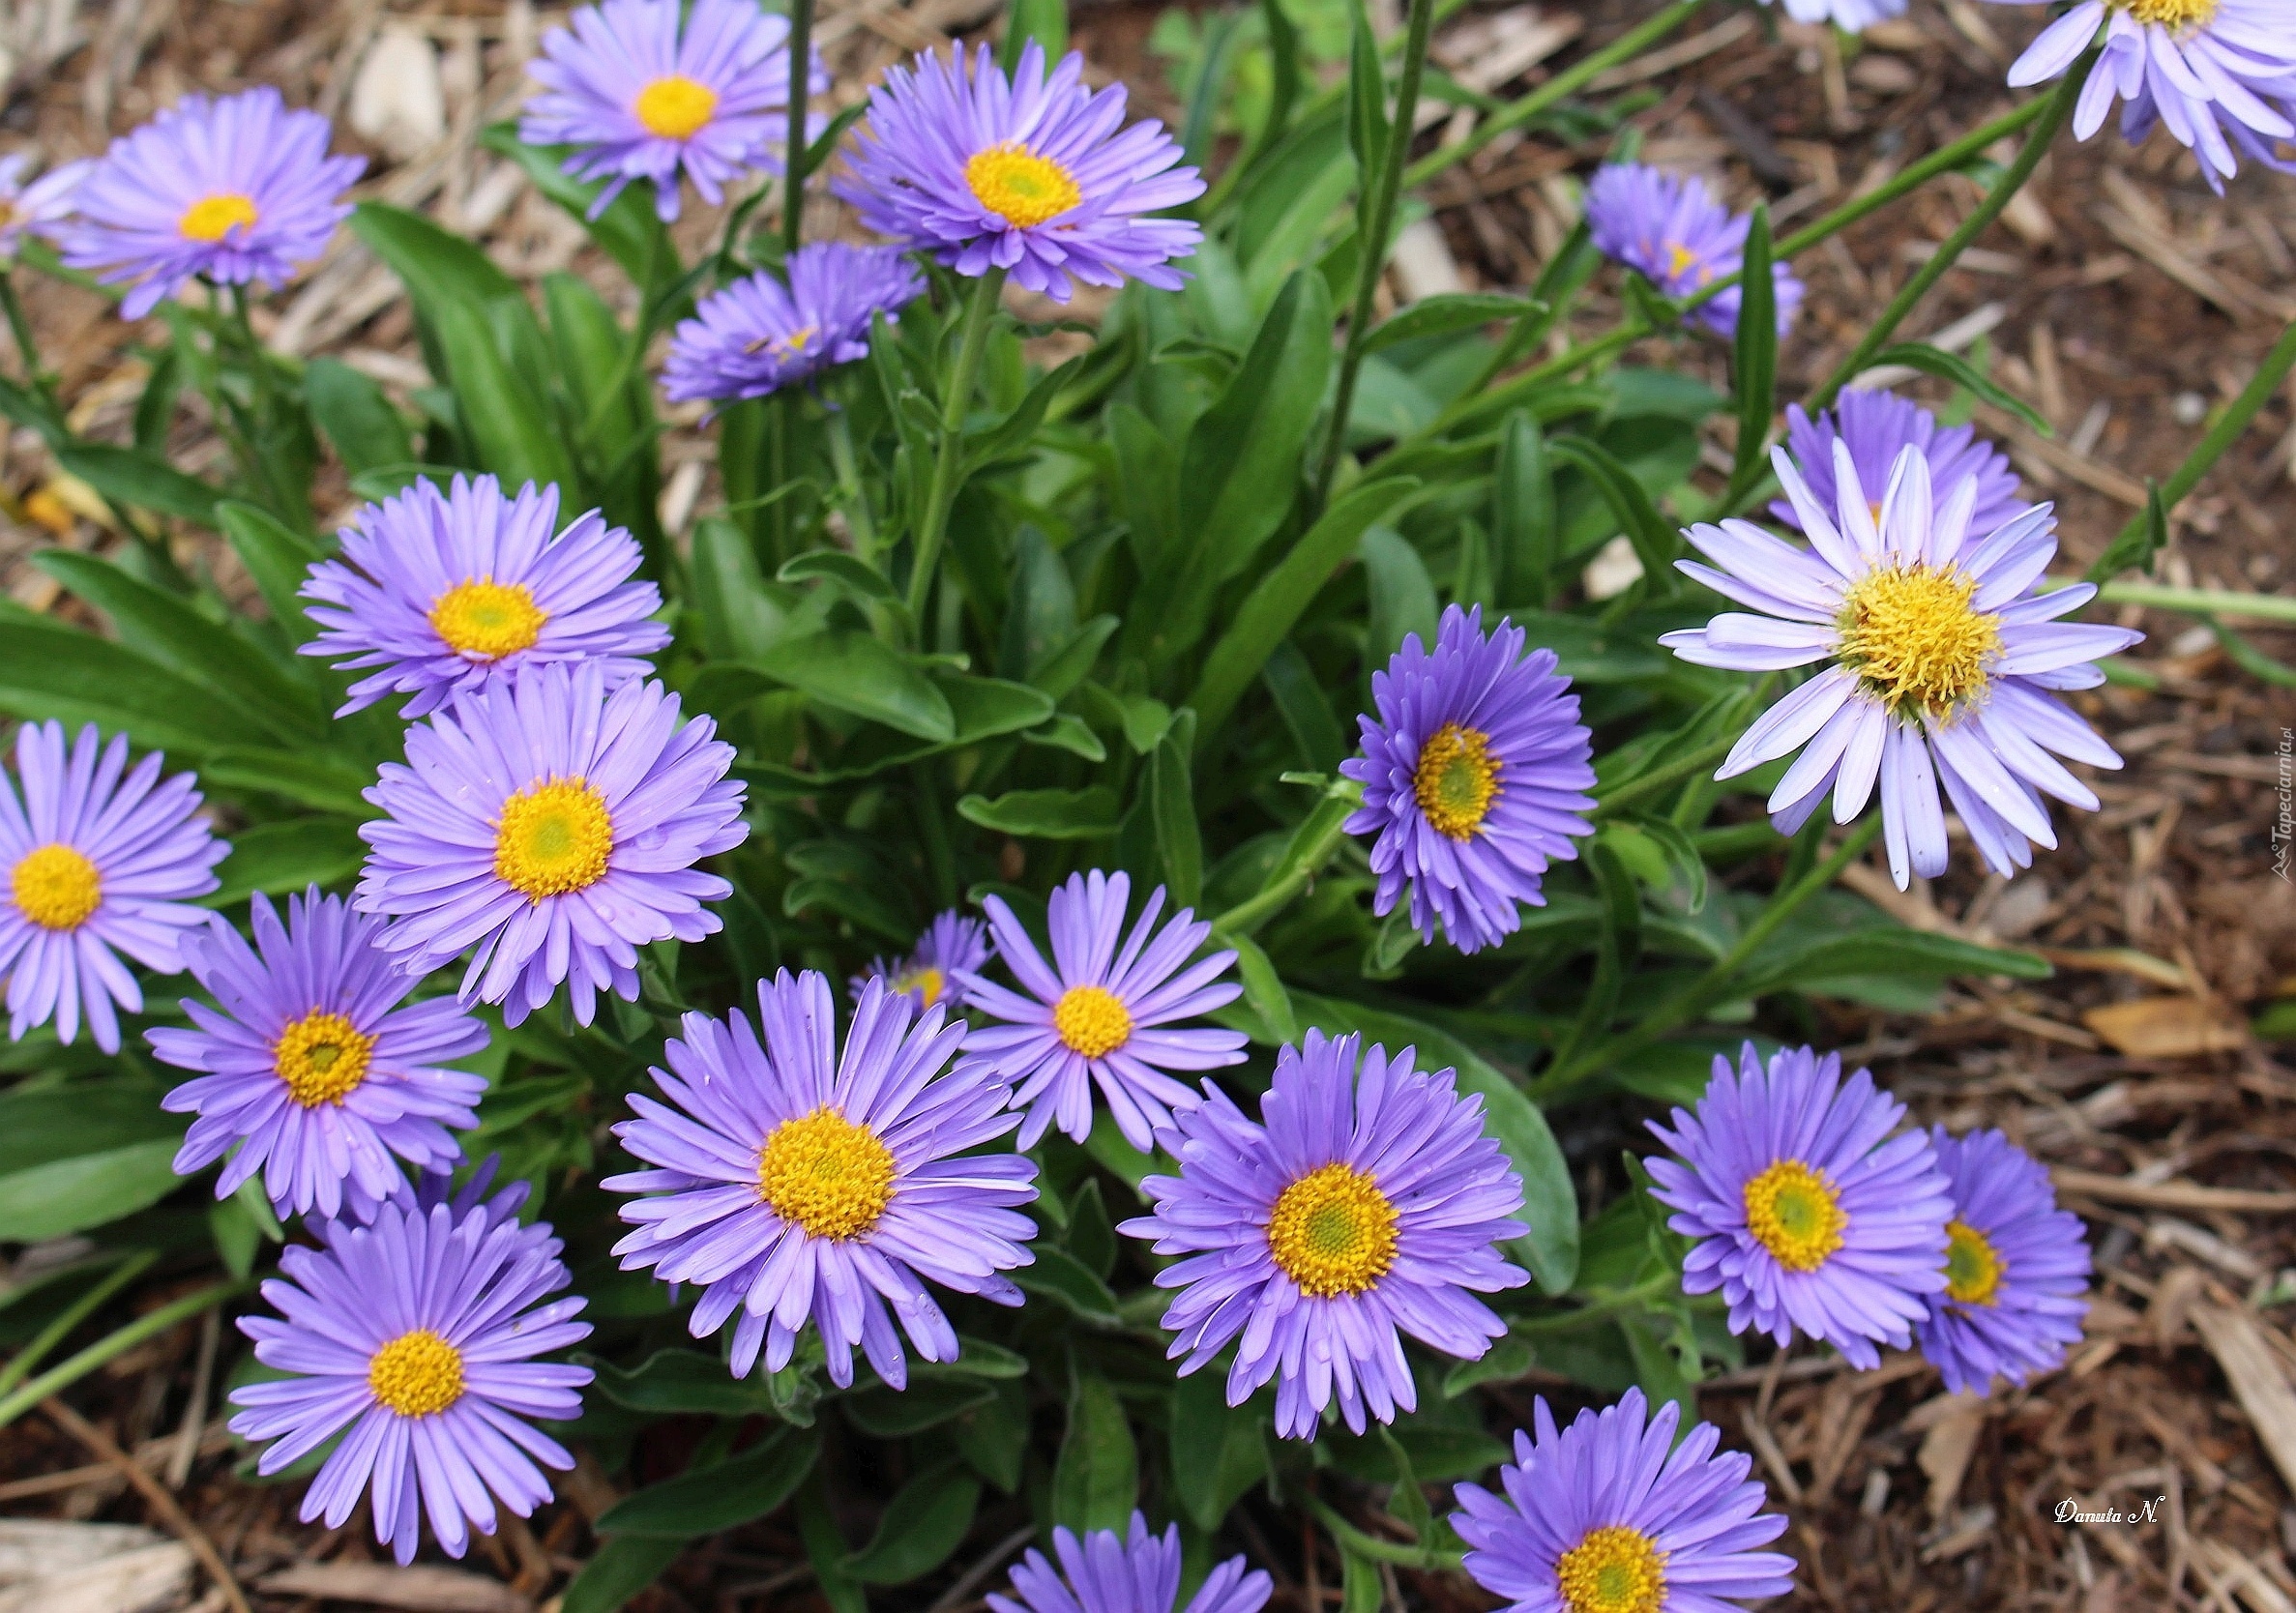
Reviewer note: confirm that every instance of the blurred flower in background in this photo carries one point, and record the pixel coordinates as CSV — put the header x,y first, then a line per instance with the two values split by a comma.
x,y
758,336
1672,229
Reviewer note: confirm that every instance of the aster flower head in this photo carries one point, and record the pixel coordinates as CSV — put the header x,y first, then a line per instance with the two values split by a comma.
x,y
37,206
651,89
454,591
1101,1014
758,336
554,825
419,1335
1809,1215
2220,74
1878,426
1945,662
1474,771
2016,1267
1028,174
793,1183
1364,1209
99,861
318,1073
1133,1572
951,945
1671,227
1610,1516
238,189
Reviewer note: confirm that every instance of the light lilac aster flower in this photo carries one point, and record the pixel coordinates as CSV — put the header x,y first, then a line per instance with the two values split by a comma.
x,y
2016,1267
1474,771
1027,175
1945,662
951,945
34,206
1609,1515
794,1184
1101,1014
1878,426
239,190
1853,16
649,89
1363,1210
1809,1215
758,336
452,592
1672,229
96,865
1133,1572
418,1333
2218,73
318,1068
554,825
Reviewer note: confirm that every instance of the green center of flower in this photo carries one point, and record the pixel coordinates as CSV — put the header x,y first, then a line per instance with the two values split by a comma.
x,y
826,1174
1333,1232
1018,185
553,837
1456,780
1793,1211
1972,1265
1613,1570
322,1057
486,619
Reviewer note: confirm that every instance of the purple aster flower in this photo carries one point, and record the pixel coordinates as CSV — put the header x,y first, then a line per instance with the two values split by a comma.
x,y
1027,175
318,1068
951,945
1474,774
96,865
1672,229
1100,1013
1852,16
647,89
1135,1572
1808,1215
239,190
454,591
2218,73
554,825
2016,1267
758,336
1609,1515
34,206
794,1184
1363,1210
1878,426
1944,657
418,1333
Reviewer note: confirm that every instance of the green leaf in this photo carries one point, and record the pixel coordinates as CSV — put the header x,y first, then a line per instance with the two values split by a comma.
x,y
1095,1479
1952,367
1218,1451
2134,546
1179,844
849,572
1071,733
627,228
361,425
1809,963
513,433
1525,525
75,677
1263,988
742,614
1087,814
309,779
1045,21
1404,599
849,670
1447,312
1754,369
75,1157
284,857
731,1493
1366,96
927,1519
125,476
277,557
682,1381
617,1573
1654,540
896,1413
1060,1275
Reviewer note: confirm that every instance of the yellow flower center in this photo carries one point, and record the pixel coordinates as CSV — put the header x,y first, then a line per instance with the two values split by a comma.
x,y
2171,14
56,886
790,346
1915,641
1973,1267
487,619
212,217
1333,1231
417,1374
1021,188
1456,780
825,1174
553,837
928,985
1091,1021
1613,1569
675,107
1681,260
1793,1211
322,1057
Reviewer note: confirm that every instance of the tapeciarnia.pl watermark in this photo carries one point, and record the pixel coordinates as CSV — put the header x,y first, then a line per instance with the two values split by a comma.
x,y
2283,827
2149,1511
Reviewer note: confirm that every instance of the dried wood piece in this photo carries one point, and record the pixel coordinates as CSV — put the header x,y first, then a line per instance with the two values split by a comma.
x,y
2169,1027
2168,1195
139,1581
1946,1449
2237,1340
417,1590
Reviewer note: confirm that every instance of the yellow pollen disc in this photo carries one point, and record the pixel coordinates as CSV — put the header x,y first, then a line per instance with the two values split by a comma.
x,y
487,619
1456,780
8,213
1613,1569
825,1174
1972,1265
2171,14
322,1057
1333,1231
1015,183
56,886
1916,641
417,1374
790,346
1091,1021
212,217
1681,260
675,107
1794,1214
928,984
553,837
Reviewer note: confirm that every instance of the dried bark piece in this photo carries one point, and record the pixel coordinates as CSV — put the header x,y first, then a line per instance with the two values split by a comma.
x,y
2168,1027
417,1590
2237,1342
1946,1449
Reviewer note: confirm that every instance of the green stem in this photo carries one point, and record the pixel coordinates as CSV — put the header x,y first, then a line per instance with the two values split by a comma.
x,y
114,1345
19,324
800,73
1665,774
858,519
1425,1559
2202,602
1602,1306
133,1266
941,493
1256,910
